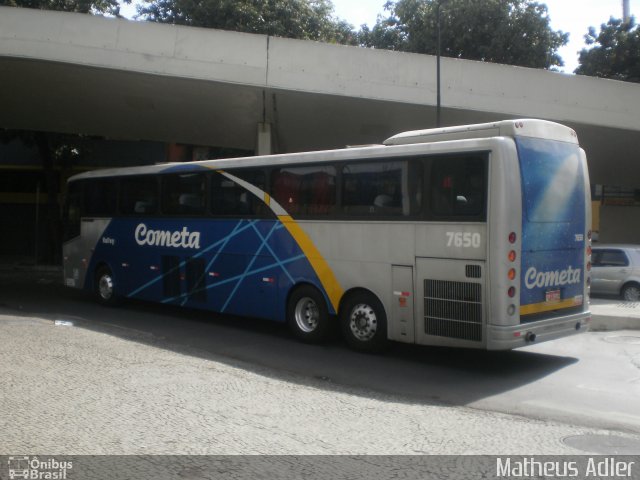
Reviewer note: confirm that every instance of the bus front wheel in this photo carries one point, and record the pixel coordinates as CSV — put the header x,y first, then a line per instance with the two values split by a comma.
x,y
307,314
364,323
104,287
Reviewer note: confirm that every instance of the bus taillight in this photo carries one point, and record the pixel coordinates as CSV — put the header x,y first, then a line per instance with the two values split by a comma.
x,y
512,237
512,256
588,253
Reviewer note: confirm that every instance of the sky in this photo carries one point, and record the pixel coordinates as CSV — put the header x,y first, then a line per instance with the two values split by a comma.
x,y
573,16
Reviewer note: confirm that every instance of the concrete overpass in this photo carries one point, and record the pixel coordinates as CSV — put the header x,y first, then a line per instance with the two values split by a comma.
x,y
78,73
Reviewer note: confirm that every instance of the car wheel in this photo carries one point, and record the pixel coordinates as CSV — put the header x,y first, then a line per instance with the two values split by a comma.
x,y
364,323
631,292
307,314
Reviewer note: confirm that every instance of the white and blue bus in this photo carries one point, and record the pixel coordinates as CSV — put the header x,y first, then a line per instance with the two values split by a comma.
x,y
474,236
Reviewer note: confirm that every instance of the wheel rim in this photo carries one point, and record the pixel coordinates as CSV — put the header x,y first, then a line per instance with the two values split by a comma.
x,y
632,294
307,314
105,287
363,322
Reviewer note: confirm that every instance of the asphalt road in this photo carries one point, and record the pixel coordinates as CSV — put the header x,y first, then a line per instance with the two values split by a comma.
x,y
580,394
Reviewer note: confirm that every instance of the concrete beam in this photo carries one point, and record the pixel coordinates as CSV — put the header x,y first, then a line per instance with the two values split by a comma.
x,y
466,85
143,47
120,79
313,67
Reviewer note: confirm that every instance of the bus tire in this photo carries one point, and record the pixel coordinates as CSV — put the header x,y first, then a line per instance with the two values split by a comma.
x,y
307,314
363,322
104,287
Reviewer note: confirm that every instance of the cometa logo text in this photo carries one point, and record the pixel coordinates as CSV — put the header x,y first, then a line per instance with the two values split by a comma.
x,y
166,238
556,278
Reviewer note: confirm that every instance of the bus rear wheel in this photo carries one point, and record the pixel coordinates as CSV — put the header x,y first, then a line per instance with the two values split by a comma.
x,y
307,314
104,287
363,322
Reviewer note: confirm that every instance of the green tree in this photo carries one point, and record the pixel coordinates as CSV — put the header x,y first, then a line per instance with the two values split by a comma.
x,y
614,52
302,19
111,7
515,32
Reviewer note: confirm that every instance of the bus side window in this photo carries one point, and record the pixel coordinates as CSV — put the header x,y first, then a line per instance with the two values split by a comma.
x,y
229,198
285,188
308,190
458,187
183,194
139,195
377,188
100,198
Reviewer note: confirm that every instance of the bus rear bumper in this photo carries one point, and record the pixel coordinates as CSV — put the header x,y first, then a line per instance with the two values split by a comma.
x,y
525,334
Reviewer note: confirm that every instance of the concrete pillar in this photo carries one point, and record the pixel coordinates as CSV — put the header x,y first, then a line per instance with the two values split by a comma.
x,y
626,16
615,226
263,143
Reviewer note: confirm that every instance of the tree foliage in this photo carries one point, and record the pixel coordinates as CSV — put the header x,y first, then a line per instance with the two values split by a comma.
x,y
111,7
614,52
302,19
515,32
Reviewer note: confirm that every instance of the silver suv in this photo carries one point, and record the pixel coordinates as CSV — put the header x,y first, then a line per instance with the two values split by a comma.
x,y
616,271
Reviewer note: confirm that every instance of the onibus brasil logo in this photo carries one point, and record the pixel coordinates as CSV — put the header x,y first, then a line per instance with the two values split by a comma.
x,y
34,468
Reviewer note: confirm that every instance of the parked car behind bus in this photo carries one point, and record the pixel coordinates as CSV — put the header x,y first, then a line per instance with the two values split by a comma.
x,y
616,271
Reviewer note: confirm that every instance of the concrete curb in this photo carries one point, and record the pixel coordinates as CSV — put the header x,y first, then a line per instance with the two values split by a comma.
x,y
614,314
608,323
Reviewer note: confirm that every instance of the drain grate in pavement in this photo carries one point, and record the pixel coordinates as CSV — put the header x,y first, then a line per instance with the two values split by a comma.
x,y
631,305
604,444
629,339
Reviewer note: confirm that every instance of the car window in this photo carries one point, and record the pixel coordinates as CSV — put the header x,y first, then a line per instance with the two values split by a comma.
x,y
609,258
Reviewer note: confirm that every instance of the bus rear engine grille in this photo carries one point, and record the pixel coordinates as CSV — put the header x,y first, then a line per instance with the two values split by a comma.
x,y
453,309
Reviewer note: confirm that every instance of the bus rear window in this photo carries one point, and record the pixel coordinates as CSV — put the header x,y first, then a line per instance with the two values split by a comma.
x,y
552,180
